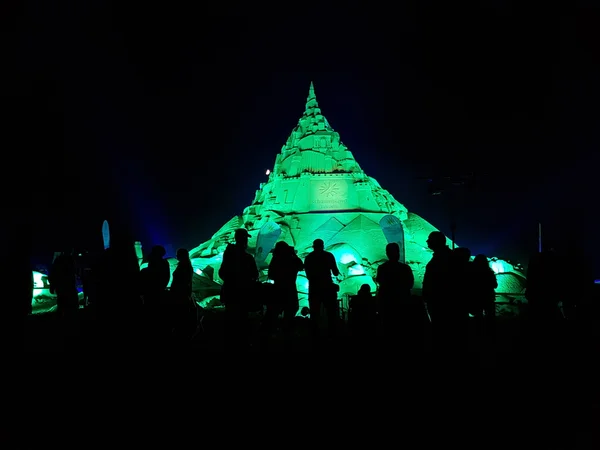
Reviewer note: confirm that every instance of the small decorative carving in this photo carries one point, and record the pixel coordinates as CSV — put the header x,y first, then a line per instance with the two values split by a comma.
x,y
329,189
322,142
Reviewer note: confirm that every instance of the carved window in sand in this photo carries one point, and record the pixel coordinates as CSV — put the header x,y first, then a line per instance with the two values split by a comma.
x,y
322,142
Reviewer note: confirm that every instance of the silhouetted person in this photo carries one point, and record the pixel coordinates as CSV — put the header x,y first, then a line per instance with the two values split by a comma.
x,y
118,287
363,316
320,266
401,317
182,303
437,286
541,290
544,289
85,274
483,288
63,283
283,270
155,277
576,277
460,298
578,280
240,275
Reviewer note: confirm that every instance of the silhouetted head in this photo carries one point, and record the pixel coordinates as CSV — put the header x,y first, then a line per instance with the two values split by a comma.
x,y
158,251
365,289
392,250
281,248
318,245
305,311
121,241
462,254
481,261
182,254
436,240
574,246
242,236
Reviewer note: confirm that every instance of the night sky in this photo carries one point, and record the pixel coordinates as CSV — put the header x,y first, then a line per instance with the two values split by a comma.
x,y
167,119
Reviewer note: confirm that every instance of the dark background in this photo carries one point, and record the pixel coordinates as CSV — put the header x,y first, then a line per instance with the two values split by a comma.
x,y
167,119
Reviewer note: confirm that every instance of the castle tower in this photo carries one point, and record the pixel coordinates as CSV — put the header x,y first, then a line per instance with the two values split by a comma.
x,y
317,190
313,146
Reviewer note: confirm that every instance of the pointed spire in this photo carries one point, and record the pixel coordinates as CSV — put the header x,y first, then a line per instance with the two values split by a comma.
x,y
311,101
311,92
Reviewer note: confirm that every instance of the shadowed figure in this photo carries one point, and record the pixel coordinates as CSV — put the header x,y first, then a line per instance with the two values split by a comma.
x,y
63,283
544,289
401,315
460,297
283,270
84,264
155,277
182,305
320,265
483,305
240,276
437,287
578,302
577,277
363,317
119,301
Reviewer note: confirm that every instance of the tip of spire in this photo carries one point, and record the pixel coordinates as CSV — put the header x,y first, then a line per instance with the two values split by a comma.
x,y
311,92
311,101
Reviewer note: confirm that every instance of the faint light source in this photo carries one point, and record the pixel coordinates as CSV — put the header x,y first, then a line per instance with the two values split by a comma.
x,y
497,267
199,271
347,258
38,281
268,172
356,269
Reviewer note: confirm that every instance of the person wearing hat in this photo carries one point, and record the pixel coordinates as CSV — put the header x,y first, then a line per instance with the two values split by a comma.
x,y
240,275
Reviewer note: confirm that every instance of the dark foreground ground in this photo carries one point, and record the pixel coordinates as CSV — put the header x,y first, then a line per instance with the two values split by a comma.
x,y
557,379
47,333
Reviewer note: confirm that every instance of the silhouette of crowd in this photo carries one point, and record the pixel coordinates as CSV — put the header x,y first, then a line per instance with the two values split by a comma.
x,y
151,307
